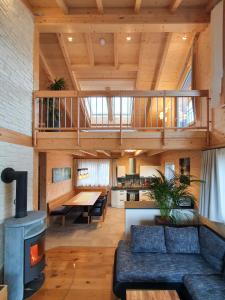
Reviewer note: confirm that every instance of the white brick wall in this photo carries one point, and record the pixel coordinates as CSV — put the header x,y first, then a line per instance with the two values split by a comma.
x,y
16,66
19,158
16,85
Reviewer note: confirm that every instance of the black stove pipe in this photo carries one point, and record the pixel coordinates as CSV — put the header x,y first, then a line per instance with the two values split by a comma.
x,y
9,175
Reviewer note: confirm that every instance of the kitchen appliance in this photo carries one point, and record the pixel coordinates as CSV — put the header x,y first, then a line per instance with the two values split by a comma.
x,y
132,195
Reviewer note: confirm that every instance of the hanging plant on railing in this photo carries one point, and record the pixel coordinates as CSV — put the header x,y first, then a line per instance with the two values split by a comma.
x,y
53,104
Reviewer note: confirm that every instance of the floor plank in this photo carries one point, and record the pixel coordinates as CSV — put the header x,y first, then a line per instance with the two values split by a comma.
x,y
78,273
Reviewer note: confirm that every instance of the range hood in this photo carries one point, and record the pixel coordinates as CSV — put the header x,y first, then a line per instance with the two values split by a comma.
x,y
132,166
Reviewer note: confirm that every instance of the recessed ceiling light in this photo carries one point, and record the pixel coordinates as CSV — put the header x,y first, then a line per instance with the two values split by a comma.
x,y
128,38
102,41
184,37
70,39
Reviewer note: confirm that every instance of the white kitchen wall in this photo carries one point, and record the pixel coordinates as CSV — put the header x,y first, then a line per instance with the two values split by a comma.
x,y
16,85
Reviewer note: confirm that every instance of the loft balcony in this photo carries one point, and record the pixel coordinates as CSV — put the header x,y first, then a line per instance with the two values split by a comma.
x,y
112,120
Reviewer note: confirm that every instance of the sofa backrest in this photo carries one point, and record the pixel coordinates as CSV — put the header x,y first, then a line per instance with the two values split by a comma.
x,y
212,247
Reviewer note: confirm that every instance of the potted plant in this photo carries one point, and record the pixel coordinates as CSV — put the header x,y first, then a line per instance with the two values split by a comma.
x,y
53,105
167,193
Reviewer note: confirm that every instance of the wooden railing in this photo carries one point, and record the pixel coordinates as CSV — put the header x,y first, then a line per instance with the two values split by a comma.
x,y
121,111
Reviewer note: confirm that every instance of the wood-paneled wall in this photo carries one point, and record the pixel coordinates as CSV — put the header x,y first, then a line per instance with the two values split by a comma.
x,y
55,190
195,164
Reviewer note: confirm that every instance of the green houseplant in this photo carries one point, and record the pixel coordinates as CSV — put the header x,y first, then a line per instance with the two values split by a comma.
x,y
53,105
167,193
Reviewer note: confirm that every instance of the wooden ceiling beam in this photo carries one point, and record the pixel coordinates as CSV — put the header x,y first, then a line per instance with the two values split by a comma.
x,y
46,66
141,55
162,60
186,68
65,53
108,154
104,67
154,152
137,6
94,154
90,49
100,6
211,4
62,5
175,5
116,52
28,5
155,20
139,152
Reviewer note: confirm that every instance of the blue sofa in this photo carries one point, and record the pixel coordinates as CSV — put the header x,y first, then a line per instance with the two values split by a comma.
x,y
189,259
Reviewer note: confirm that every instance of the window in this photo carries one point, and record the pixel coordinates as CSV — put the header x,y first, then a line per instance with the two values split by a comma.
x,y
185,105
98,172
102,111
169,170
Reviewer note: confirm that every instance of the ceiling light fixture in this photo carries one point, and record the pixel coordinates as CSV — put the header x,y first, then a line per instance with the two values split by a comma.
x,y
184,37
128,38
70,39
130,150
102,41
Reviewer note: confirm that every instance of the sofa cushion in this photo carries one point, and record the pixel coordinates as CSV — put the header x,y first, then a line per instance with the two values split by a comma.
x,y
148,239
61,211
212,248
202,287
157,267
182,240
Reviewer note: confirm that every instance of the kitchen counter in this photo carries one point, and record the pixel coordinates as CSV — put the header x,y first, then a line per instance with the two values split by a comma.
x,y
116,188
140,204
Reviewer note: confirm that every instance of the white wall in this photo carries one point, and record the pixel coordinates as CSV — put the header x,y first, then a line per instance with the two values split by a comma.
x,y
16,85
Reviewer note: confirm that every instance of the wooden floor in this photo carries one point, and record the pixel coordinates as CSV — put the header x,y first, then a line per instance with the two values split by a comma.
x,y
78,273
80,259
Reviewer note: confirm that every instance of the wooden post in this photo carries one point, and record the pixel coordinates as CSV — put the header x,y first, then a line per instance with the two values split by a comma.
x,y
223,80
121,121
78,121
36,58
208,122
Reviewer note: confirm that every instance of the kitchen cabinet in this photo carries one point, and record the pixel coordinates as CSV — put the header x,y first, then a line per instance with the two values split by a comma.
x,y
147,171
121,171
118,198
143,196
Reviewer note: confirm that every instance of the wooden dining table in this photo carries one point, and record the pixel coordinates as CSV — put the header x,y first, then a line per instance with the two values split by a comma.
x,y
84,199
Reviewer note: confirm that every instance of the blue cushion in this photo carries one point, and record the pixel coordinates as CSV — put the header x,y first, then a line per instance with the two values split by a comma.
x,y
182,240
157,267
148,239
212,248
202,287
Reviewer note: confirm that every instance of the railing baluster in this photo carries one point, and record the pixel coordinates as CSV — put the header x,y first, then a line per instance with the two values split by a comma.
x,y
171,112
53,114
47,113
157,112
65,112
59,102
71,112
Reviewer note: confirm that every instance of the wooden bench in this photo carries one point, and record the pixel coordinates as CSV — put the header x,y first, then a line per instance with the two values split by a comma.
x,y
55,207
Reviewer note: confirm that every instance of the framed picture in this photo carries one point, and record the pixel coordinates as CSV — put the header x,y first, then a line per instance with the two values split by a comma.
x,y
61,174
185,166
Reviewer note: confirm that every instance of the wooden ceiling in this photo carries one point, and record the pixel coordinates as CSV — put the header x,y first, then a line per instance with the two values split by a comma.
x,y
99,55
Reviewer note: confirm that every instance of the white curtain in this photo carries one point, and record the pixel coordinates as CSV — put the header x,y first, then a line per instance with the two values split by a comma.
x,y
212,197
98,172
216,52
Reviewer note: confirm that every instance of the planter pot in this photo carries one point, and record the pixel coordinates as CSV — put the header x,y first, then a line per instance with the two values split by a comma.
x,y
3,292
162,221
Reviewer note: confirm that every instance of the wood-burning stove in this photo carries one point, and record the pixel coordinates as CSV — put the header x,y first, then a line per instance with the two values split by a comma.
x,y
34,257
24,247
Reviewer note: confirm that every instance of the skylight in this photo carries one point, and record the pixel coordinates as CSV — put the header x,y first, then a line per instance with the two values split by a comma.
x,y
104,111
